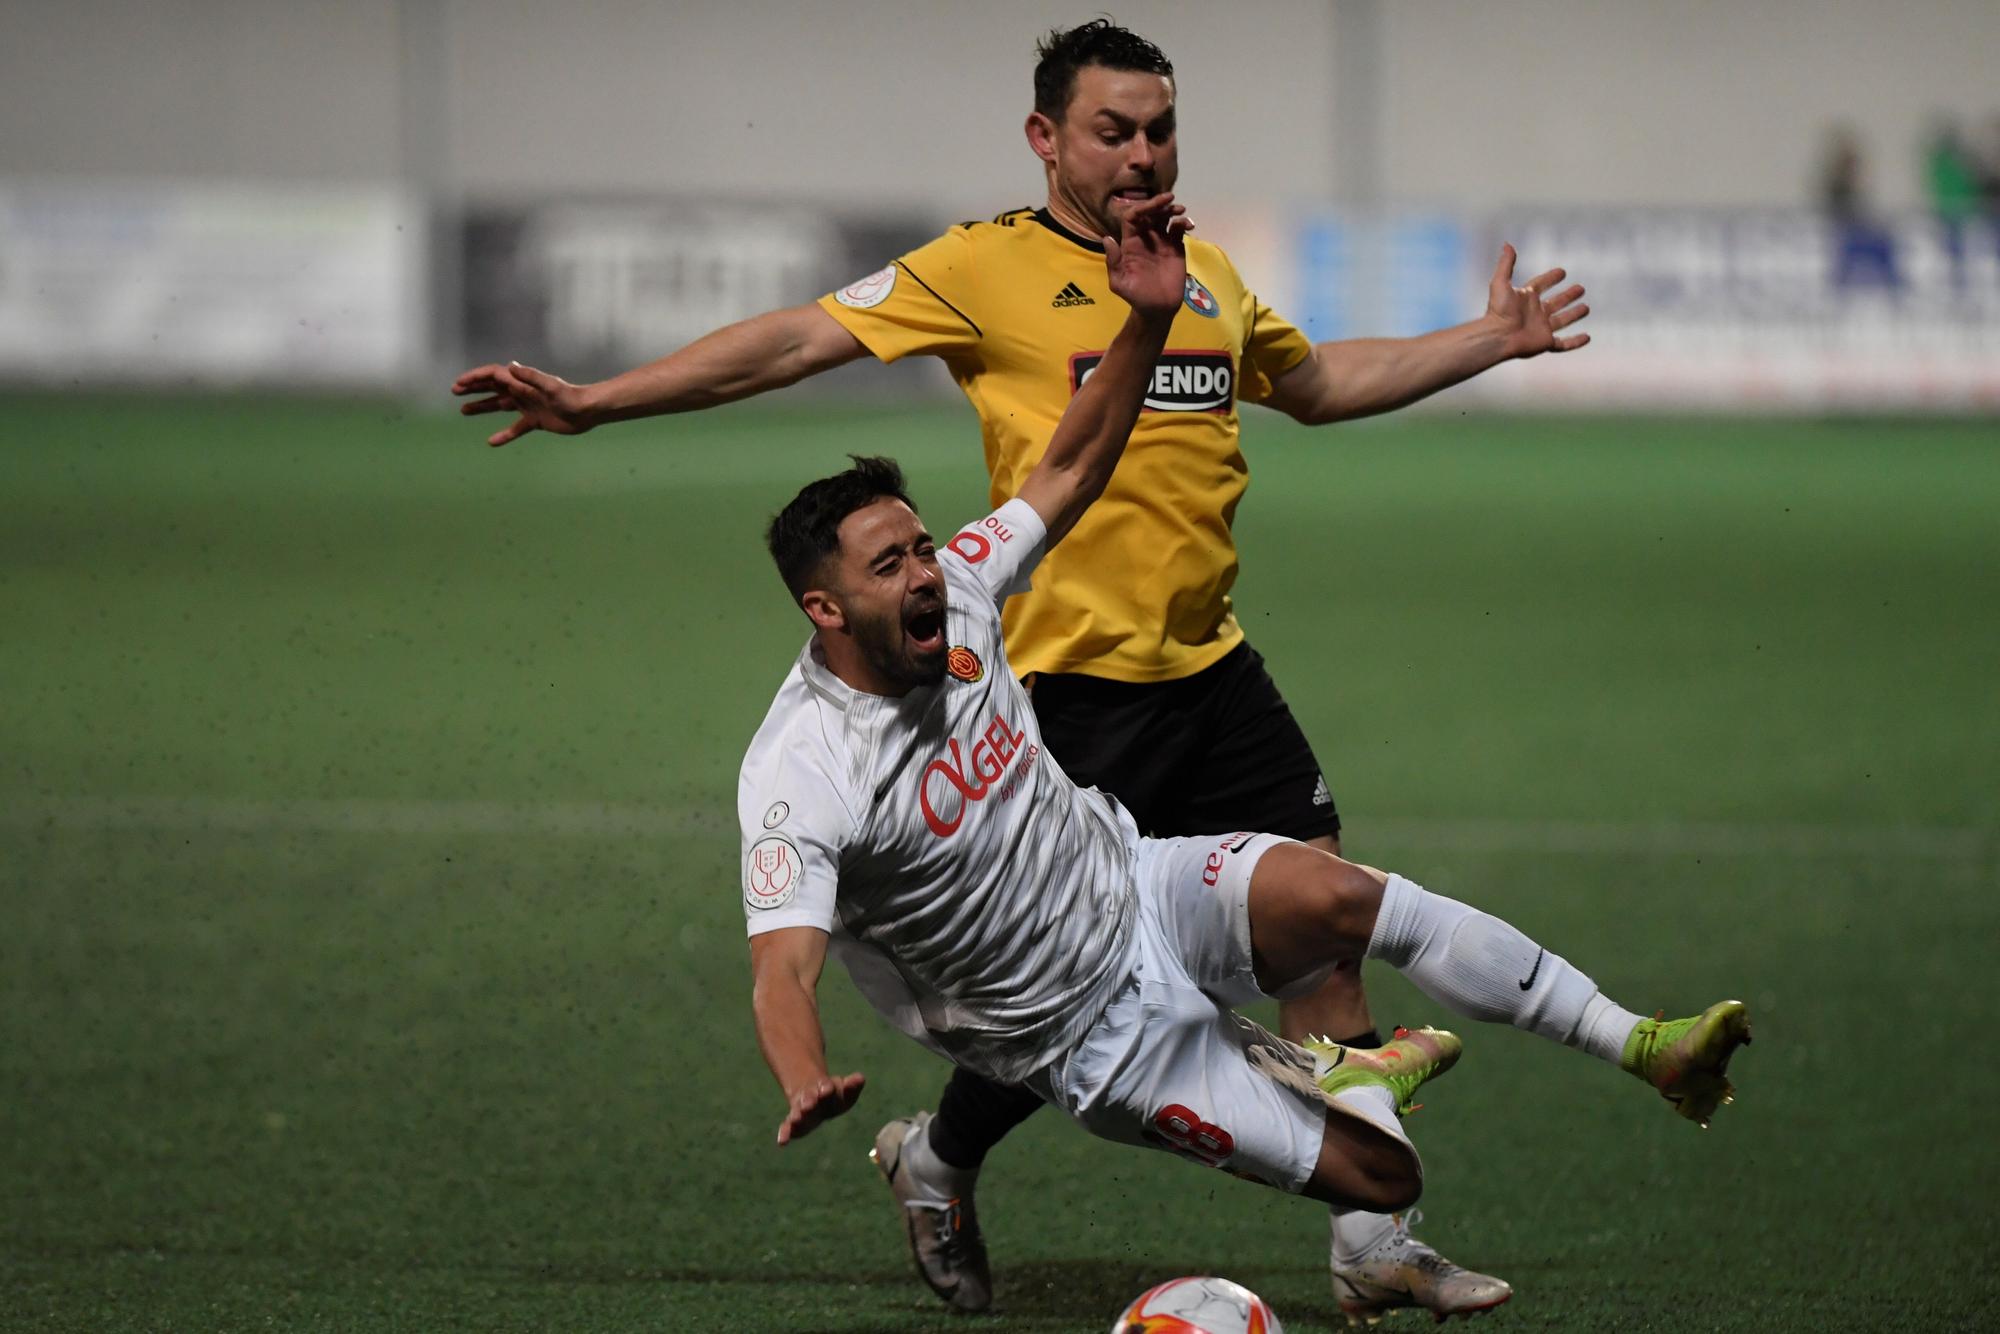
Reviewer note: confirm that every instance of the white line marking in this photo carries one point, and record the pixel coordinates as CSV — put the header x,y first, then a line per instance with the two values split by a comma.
x,y
600,819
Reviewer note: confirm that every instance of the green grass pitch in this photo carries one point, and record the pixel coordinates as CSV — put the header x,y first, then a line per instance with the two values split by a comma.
x,y
370,948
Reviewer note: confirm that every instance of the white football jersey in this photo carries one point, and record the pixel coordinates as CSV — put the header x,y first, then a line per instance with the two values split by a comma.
x,y
980,899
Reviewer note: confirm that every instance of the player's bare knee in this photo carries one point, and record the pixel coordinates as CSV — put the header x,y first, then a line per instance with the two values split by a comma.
x,y
1348,895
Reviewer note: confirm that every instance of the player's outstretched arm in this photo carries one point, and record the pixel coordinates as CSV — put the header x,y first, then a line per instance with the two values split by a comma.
x,y
1359,377
764,352
785,966
1147,266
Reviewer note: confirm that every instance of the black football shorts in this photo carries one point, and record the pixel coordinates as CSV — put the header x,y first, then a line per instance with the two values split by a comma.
x,y
1212,753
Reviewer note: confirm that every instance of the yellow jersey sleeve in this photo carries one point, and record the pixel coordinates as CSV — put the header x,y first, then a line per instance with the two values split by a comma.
x,y
1271,347
924,303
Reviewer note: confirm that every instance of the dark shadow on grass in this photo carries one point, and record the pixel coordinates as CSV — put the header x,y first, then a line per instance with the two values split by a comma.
x,y
568,1272
1082,1292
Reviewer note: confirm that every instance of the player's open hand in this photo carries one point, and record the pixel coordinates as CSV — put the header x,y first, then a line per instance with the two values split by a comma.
x,y
1529,321
1147,260
819,1101
545,402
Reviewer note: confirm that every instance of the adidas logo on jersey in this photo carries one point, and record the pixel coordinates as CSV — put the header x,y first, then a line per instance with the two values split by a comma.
x,y
1322,797
1071,295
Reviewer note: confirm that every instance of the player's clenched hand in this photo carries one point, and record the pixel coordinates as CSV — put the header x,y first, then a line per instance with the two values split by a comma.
x,y
821,1100
1147,261
1529,321
545,402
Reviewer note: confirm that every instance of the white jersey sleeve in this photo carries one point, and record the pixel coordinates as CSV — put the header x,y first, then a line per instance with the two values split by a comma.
x,y
1002,549
794,829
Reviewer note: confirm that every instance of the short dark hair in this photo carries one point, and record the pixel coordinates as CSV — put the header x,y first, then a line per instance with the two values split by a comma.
x,y
1099,42
807,531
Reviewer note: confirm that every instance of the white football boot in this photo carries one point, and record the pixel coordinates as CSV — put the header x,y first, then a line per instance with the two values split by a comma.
x,y
938,1215
1401,1271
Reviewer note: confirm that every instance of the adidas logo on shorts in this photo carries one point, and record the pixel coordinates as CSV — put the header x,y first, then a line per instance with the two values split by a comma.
x,y
1071,295
1321,796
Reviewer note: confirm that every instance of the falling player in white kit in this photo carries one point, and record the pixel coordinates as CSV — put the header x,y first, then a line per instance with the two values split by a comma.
x,y
898,809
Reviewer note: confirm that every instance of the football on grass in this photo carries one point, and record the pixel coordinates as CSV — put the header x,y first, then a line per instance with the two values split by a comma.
x,y
1198,1306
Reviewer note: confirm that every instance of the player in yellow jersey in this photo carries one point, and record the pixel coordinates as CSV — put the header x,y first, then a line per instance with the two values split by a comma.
x,y
1142,681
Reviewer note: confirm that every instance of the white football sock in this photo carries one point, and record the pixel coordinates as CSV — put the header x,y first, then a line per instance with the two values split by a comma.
x,y
1355,1234
1485,969
1375,1104
939,1180
1605,1027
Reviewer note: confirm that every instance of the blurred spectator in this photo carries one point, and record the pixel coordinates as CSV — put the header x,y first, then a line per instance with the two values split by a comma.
x,y
1952,172
1987,164
1842,175
1951,179
1864,252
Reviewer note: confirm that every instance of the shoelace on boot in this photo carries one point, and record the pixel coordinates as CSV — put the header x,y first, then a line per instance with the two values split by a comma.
x,y
954,1238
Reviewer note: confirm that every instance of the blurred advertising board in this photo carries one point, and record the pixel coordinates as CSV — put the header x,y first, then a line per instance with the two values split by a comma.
x,y
210,284
589,288
1752,309
303,285
1722,310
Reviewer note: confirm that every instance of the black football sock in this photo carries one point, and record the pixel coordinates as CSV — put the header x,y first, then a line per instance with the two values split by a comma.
x,y
974,1114
1368,1041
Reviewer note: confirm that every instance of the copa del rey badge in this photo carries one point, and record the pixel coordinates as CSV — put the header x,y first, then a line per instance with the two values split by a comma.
x,y
771,873
964,664
865,293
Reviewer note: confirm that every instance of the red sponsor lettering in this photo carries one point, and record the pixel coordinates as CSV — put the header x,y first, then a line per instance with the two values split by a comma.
x,y
1028,758
1211,870
997,528
971,547
971,776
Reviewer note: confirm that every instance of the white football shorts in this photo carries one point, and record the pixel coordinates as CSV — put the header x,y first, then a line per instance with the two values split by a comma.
x,y
1168,1065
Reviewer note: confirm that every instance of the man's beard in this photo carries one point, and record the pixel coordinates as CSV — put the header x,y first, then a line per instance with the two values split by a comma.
x,y
887,650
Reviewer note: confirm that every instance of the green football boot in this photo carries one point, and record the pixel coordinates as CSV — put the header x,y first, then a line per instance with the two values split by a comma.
x,y
1687,1060
1404,1065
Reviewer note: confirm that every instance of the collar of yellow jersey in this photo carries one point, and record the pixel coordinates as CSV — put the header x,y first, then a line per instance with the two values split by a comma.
x,y
1048,220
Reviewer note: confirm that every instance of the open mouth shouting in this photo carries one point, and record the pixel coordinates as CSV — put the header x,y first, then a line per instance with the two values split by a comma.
x,y
923,627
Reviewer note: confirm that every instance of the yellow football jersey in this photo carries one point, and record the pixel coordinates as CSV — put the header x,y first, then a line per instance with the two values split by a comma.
x,y
1020,310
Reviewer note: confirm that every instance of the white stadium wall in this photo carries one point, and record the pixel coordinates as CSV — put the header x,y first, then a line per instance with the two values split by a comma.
x,y
919,102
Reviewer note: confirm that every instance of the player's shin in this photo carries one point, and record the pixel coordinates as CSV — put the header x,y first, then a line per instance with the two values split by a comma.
x,y
1484,968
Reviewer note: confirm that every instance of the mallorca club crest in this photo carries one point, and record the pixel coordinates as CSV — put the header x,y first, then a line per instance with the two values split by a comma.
x,y
1199,299
964,664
